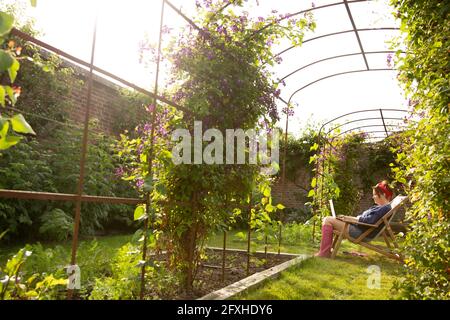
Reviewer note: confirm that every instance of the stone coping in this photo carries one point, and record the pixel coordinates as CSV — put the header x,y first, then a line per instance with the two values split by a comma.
x,y
254,279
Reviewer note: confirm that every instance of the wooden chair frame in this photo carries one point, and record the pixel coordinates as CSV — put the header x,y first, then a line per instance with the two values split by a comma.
x,y
386,232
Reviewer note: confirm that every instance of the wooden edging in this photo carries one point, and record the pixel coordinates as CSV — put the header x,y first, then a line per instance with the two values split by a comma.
x,y
253,280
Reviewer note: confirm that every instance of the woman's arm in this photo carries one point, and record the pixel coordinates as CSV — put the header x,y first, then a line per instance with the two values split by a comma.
x,y
348,218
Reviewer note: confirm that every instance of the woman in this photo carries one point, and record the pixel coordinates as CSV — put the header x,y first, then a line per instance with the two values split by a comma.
x,y
382,195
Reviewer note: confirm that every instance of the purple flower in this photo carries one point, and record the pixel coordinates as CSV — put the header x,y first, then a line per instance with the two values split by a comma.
x,y
389,60
139,183
278,59
150,108
119,172
288,111
210,55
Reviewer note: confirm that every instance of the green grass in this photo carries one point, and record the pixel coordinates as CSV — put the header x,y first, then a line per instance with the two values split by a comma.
x,y
344,278
108,244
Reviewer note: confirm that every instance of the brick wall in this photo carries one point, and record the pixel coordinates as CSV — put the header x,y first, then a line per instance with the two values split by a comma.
x,y
105,101
295,195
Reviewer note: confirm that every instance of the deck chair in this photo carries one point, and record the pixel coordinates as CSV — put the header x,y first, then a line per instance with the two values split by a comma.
x,y
385,231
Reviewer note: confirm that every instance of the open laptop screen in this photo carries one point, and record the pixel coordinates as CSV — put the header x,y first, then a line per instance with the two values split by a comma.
x,y
333,213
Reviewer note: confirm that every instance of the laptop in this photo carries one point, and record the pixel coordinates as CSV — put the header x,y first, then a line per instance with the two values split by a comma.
x,y
333,213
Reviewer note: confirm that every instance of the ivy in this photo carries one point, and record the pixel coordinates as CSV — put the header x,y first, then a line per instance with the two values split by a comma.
x,y
423,165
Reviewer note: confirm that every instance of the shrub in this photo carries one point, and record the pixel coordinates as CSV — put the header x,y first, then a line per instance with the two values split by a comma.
x,y
423,163
56,224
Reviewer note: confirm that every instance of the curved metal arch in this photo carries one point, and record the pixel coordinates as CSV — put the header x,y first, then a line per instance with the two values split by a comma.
x,y
335,34
335,75
369,126
360,120
360,111
303,11
364,119
334,57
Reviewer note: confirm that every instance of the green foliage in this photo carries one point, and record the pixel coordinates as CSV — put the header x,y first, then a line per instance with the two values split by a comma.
x,y
25,167
423,163
38,286
10,127
133,103
56,224
350,170
123,284
222,78
53,166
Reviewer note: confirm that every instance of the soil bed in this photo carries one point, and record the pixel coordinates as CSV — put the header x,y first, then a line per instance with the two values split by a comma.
x,y
209,276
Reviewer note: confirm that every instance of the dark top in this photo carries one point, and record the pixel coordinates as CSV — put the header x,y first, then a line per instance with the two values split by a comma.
x,y
370,216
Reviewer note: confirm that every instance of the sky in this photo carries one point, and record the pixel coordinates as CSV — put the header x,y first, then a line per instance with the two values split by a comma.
x,y
121,25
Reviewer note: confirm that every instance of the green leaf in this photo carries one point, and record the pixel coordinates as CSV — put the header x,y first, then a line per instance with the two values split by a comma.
x,y
241,235
148,184
314,182
2,96
139,213
33,3
161,188
7,141
266,192
20,125
6,60
314,147
11,95
3,233
12,71
269,208
311,193
6,23
280,206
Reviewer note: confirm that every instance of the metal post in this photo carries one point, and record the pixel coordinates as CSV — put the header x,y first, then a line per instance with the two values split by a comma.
x,y
249,233
76,225
224,254
283,177
150,159
384,124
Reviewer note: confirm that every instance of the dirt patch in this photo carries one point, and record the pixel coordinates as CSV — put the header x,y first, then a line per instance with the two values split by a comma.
x,y
210,277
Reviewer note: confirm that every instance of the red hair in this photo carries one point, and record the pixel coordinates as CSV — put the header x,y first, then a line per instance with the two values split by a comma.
x,y
383,188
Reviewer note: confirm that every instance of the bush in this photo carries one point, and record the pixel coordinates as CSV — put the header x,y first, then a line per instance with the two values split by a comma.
x,y
53,166
423,162
56,225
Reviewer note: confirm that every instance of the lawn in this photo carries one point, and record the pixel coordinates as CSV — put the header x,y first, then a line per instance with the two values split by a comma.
x,y
343,278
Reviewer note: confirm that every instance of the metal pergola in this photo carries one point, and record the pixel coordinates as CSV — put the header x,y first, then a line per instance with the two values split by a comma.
x,y
79,197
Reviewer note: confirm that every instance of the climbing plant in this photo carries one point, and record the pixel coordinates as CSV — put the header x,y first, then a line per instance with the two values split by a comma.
x,y
220,74
10,126
423,165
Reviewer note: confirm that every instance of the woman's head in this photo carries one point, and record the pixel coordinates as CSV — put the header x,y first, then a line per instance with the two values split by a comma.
x,y
382,193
